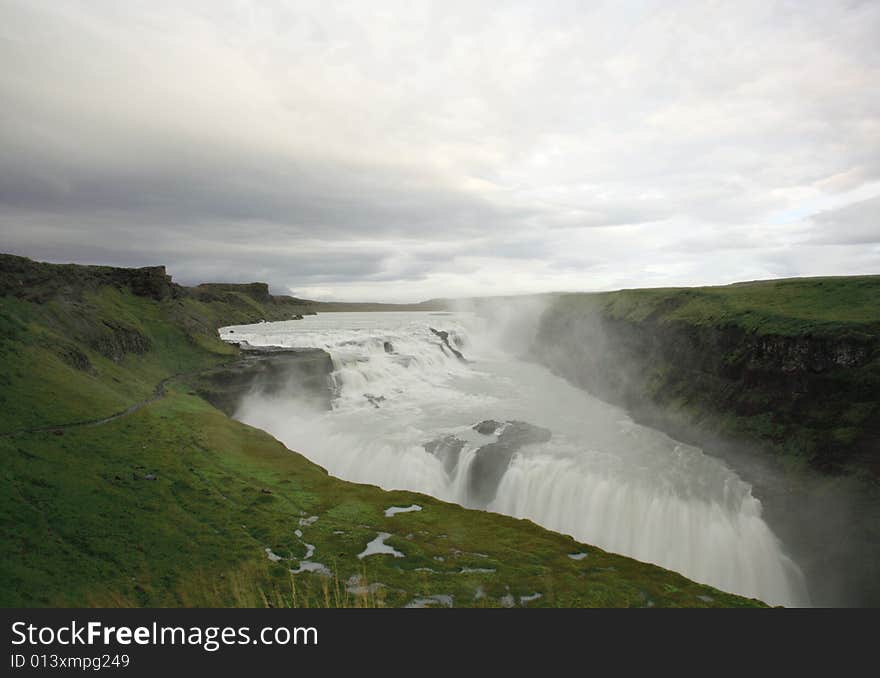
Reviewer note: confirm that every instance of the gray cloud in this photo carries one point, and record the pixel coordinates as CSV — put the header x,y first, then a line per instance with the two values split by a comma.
x,y
855,224
414,149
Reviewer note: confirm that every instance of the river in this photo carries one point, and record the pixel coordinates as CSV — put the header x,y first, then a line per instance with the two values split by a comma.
x,y
600,477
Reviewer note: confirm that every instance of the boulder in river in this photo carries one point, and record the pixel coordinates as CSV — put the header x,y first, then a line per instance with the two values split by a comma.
x,y
447,450
487,427
374,399
388,346
492,460
444,338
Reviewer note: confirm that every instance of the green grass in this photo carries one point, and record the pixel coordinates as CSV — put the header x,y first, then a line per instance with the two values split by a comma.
x,y
81,525
785,307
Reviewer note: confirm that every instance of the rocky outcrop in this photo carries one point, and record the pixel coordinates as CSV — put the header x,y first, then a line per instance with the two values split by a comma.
x,y
74,357
374,400
39,282
258,291
491,460
115,340
446,346
268,370
447,449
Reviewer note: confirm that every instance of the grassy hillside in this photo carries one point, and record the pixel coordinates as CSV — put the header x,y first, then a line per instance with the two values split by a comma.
x,y
176,504
790,307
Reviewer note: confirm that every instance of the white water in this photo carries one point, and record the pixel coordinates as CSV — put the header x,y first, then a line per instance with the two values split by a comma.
x,y
601,478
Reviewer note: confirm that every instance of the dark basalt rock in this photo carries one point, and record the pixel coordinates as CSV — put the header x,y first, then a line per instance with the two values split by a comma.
x,y
268,370
258,291
487,427
447,450
492,460
445,345
39,282
71,355
374,399
388,346
115,340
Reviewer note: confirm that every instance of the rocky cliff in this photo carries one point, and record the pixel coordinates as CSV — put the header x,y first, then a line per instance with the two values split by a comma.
x,y
802,388
268,370
781,379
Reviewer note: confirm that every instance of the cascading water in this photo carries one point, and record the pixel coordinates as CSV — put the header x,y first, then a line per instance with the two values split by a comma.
x,y
404,415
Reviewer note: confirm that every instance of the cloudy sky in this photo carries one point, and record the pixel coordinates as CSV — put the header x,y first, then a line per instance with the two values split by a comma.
x,y
407,150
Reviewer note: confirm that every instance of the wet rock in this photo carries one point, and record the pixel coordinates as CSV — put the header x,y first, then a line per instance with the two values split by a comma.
x,y
388,346
447,450
492,460
487,427
374,400
519,433
268,370
444,337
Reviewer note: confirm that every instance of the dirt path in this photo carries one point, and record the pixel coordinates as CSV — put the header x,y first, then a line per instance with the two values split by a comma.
x,y
158,393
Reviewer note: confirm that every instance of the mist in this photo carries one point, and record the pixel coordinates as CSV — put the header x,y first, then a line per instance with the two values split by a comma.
x,y
825,522
498,431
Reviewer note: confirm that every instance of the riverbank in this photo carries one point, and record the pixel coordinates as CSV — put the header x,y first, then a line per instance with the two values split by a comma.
x,y
779,378
176,504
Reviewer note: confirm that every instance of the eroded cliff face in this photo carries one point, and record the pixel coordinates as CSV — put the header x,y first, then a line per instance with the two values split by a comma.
x,y
268,371
798,416
816,398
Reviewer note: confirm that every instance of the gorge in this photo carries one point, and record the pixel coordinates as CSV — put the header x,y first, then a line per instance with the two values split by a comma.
x,y
511,405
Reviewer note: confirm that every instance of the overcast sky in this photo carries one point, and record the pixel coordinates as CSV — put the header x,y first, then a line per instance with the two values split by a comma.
x,y
407,150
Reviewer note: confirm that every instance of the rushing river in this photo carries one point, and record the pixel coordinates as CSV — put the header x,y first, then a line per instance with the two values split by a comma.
x,y
600,478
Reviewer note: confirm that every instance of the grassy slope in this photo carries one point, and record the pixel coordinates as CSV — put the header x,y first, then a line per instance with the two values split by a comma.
x,y
790,307
80,524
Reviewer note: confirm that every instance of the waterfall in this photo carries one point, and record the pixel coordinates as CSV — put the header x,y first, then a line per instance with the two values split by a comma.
x,y
403,418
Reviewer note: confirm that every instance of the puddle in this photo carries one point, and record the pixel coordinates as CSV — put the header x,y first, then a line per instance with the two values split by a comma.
x,y
394,510
308,566
274,557
528,599
577,556
378,546
440,599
